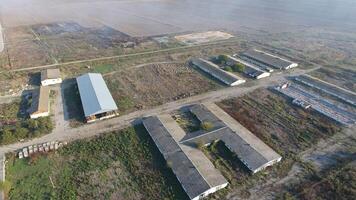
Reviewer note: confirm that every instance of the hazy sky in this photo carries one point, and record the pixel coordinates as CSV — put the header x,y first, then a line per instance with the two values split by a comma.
x,y
152,17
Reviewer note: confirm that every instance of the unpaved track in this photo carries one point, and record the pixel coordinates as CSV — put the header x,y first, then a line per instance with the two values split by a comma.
x,y
2,42
89,130
120,56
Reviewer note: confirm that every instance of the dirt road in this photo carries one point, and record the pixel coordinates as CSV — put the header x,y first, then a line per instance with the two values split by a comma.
x,y
2,42
121,56
90,130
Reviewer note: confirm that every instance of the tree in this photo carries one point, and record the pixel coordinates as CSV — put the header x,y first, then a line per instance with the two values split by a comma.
x,y
21,133
222,59
7,136
228,68
238,67
32,124
206,125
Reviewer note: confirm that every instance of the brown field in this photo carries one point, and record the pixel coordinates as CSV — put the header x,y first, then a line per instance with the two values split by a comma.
x,y
155,84
284,127
341,77
43,44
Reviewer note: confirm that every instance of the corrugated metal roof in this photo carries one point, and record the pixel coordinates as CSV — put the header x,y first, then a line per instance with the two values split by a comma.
x,y
191,180
267,59
214,70
245,149
95,95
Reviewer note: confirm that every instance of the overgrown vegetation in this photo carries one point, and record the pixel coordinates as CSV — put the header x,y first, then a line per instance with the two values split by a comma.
x,y
119,165
206,125
337,182
287,129
15,125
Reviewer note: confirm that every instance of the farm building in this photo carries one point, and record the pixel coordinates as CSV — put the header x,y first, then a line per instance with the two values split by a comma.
x,y
264,59
40,103
50,77
196,174
250,69
253,152
193,169
96,98
214,70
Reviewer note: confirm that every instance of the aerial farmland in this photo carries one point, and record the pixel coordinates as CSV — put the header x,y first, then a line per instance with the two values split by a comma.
x,y
178,100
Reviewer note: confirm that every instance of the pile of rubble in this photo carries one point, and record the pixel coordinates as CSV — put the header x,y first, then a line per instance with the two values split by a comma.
x,y
38,148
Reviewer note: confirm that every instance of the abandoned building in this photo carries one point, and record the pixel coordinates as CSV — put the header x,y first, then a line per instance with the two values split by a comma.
x,y
96,98
193,169
50,77
264,60
40,103
250,69
214,70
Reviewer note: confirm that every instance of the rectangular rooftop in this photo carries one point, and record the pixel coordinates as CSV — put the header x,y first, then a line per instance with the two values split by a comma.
x,y
194,171
268,59
214,70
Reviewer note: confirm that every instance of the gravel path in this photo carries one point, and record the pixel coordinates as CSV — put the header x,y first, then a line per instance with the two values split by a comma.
x,y
1,40
60,133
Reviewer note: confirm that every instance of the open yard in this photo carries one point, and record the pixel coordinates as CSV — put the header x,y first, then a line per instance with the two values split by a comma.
x,y
155,84
120,165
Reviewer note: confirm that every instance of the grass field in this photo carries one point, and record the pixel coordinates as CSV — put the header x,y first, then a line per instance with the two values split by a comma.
x,y
155,84
120,165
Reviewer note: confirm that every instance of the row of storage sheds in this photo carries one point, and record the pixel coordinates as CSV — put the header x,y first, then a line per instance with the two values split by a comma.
x,y
215,71
264,59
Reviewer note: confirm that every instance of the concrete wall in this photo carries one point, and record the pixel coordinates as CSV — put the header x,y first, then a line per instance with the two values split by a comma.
x,y
37,115
51,81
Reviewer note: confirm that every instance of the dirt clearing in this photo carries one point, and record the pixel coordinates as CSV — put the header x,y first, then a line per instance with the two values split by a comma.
x,y
198,38
155,84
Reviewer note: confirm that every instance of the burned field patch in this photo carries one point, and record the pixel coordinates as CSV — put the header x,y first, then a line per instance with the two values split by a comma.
x,y
155,84
43,44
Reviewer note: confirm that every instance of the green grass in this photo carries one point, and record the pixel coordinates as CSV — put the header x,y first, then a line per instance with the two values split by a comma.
x,y
103,68
124,164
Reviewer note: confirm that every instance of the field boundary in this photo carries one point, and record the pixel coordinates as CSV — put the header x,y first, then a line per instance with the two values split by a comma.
x,y
120,56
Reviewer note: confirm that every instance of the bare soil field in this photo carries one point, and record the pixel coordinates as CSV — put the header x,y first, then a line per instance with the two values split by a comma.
x,y
43,44
345,78
155,84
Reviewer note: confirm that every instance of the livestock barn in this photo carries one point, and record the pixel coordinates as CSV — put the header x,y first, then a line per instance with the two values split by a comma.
x,y
96,98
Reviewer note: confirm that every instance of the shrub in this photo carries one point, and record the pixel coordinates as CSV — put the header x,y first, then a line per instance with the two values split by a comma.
x,y
222,59
228,68
206,125
238,67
